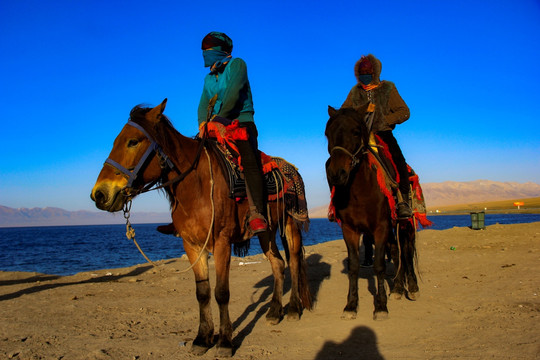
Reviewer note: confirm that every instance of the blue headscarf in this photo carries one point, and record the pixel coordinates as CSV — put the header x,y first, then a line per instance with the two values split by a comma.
x,y
215,57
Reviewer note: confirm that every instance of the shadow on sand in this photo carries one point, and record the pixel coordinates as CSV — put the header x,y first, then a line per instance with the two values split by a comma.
x,y
317,272
361,344
42,287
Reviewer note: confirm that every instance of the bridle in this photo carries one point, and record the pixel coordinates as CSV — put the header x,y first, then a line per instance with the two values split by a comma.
x,y
354,159
165,163
133,174
362,149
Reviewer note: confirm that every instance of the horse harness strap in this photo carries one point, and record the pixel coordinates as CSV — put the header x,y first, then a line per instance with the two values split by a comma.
x,y
154,148
354,159
364,150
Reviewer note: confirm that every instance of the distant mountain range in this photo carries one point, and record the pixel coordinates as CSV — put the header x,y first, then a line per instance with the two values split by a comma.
x,y
435,194
50,216
456,193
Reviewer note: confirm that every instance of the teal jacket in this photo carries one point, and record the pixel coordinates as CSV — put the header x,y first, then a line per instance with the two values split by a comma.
x,y
234,93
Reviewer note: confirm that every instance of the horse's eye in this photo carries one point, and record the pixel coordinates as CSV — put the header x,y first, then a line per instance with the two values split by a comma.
x,y
133,143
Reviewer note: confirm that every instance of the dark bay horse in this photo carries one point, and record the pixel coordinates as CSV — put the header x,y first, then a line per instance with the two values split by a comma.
x,y
362,207
149,150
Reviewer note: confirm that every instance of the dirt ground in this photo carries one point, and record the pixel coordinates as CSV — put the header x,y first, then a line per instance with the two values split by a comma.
x,y
478,300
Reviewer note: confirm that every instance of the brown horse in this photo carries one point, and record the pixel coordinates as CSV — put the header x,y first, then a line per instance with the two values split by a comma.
x,y
361,207
149,150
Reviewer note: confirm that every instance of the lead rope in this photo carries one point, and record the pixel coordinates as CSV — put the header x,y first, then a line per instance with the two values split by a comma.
x,y
130,231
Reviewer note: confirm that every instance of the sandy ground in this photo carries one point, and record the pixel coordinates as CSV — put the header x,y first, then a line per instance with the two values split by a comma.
x,y
479,301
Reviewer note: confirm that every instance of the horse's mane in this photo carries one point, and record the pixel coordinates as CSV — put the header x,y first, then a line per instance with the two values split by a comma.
x,y
163,131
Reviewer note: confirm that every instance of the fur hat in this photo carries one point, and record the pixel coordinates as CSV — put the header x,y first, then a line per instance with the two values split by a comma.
x,y
368,64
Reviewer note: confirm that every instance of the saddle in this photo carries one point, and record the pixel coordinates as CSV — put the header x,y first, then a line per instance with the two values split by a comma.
x,y
282,179
388,179
235,177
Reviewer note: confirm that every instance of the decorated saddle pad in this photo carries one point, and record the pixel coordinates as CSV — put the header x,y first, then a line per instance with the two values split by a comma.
x,y
283,181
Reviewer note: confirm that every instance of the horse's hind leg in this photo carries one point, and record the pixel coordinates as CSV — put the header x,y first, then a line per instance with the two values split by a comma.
x,y
410,261
300,294
269,247
396,251
205,335
352,240
379,266
222,257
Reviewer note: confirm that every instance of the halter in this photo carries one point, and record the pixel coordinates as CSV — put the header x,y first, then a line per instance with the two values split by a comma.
x,y
354,160
165,162
153,149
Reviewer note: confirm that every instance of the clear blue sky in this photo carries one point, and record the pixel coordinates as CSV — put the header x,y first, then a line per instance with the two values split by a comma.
x,y
70,71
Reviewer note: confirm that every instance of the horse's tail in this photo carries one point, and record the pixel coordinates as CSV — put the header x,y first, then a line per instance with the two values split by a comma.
x,y
294,250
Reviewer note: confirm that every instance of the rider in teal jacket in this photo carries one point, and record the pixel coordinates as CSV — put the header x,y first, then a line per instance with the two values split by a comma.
x,y
233,90
228,80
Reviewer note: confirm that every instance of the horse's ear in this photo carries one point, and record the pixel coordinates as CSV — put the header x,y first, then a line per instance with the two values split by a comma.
x,y
154,115
331,111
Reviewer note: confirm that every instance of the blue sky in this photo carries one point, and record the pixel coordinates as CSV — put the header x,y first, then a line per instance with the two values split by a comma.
x,y
70,72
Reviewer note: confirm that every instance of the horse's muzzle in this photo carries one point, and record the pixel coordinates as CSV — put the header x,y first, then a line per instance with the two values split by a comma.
x,y
337,177
108,198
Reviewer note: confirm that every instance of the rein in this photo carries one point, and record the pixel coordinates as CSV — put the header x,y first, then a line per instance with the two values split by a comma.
x,y
354,160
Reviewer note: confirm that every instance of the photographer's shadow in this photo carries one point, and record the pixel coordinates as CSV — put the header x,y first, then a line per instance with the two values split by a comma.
x,y
361,344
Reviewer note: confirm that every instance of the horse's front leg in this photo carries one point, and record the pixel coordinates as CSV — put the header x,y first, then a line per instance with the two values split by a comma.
x,y
379,267
270,249
222,257
205,335
352,240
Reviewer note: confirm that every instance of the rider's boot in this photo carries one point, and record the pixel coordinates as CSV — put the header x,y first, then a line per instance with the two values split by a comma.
x,y
256,221
404,210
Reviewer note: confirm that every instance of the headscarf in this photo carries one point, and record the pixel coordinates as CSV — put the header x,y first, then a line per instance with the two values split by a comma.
x,y
217,48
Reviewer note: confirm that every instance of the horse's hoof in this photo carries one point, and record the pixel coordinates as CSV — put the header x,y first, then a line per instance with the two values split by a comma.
x,y
380,315
348,315
274,315
293,316
397,296
224,352
272,321
413,296
198,350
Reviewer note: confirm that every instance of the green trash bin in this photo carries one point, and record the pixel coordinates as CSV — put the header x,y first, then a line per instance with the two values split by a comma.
x,y
478,220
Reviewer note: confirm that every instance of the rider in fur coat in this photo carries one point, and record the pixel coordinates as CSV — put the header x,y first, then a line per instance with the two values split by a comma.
x,y
390,110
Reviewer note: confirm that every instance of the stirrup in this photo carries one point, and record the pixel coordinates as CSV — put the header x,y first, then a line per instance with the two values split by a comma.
x,y
257,223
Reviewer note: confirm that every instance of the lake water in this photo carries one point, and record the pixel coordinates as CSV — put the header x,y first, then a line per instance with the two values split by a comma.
x,y
66,250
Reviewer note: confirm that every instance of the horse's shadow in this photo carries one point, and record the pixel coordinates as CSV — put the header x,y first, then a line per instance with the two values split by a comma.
x,y
361,337
42,287
317,272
